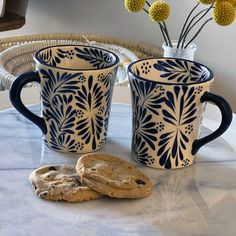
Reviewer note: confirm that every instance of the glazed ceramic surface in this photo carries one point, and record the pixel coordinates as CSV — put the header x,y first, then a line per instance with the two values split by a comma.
x,y
76,88
168,99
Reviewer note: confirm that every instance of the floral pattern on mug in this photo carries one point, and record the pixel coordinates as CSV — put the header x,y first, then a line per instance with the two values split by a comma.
x,y
167,110
181,71
179,111
72,109
90,100
76,102
98,58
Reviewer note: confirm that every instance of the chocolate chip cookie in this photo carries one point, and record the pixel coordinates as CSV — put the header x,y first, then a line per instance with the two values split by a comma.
x,y
60,182
112,176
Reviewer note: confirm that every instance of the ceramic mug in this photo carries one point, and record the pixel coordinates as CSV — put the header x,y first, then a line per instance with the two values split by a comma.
x,y
168,100
76,84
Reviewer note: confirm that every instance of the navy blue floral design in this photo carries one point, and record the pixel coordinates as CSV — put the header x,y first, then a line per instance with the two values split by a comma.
x,y
90,99
189,129
108,96
57,94
141,151
199,90
66,83
61,118
88,118
82,79
146,67
98,58
185,162
109,82
52,58
61,141
109,78
144,127
180,110
181,71
147,94
61,112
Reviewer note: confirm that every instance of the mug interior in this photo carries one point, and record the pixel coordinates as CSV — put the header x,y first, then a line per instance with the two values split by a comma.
x,y
76,57
170,71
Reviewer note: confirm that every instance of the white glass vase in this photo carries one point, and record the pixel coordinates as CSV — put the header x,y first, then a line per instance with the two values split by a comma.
x,y
174,52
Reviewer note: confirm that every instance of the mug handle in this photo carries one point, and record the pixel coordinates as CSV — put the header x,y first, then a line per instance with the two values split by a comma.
x,y
226,113
16,101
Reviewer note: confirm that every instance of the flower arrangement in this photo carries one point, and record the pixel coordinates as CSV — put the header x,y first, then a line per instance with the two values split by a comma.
x,y
223,13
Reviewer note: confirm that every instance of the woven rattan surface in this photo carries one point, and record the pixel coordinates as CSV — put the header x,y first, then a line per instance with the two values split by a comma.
x,y
17,52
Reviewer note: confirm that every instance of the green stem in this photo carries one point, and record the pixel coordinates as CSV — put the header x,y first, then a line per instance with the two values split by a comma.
x,y
185,23
190,25
197,33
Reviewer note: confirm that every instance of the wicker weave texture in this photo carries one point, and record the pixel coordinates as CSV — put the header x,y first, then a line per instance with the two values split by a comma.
x,y
17,53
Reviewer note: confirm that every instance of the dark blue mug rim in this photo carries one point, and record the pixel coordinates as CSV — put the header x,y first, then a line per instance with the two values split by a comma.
x,y
211,76
38,59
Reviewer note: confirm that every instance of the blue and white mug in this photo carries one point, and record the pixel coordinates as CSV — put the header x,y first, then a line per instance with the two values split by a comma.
x,y
168,100
76,84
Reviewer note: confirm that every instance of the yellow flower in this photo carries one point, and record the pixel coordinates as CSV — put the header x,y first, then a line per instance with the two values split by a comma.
x,y
134,5
233,2
224,13
159,11
207,2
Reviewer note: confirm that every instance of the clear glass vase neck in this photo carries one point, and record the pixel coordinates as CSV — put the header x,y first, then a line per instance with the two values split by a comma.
x,y
183,53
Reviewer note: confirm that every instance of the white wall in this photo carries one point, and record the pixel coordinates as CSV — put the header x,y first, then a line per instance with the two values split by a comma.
x,y
216,45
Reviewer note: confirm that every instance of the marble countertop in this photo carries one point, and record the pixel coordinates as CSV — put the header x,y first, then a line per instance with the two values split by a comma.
x,y
198,200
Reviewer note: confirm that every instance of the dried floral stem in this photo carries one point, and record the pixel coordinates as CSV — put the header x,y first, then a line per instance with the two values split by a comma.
x,y
192,23
146,10
148,3
167,34
163,31
197,33
185,23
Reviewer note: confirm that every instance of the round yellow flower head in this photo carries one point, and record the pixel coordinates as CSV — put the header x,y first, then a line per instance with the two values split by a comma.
x,y
224,13
134,5
207,2
233,2
159,11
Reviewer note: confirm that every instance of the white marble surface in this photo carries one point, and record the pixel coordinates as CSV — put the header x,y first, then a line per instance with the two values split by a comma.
x,y
198,200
